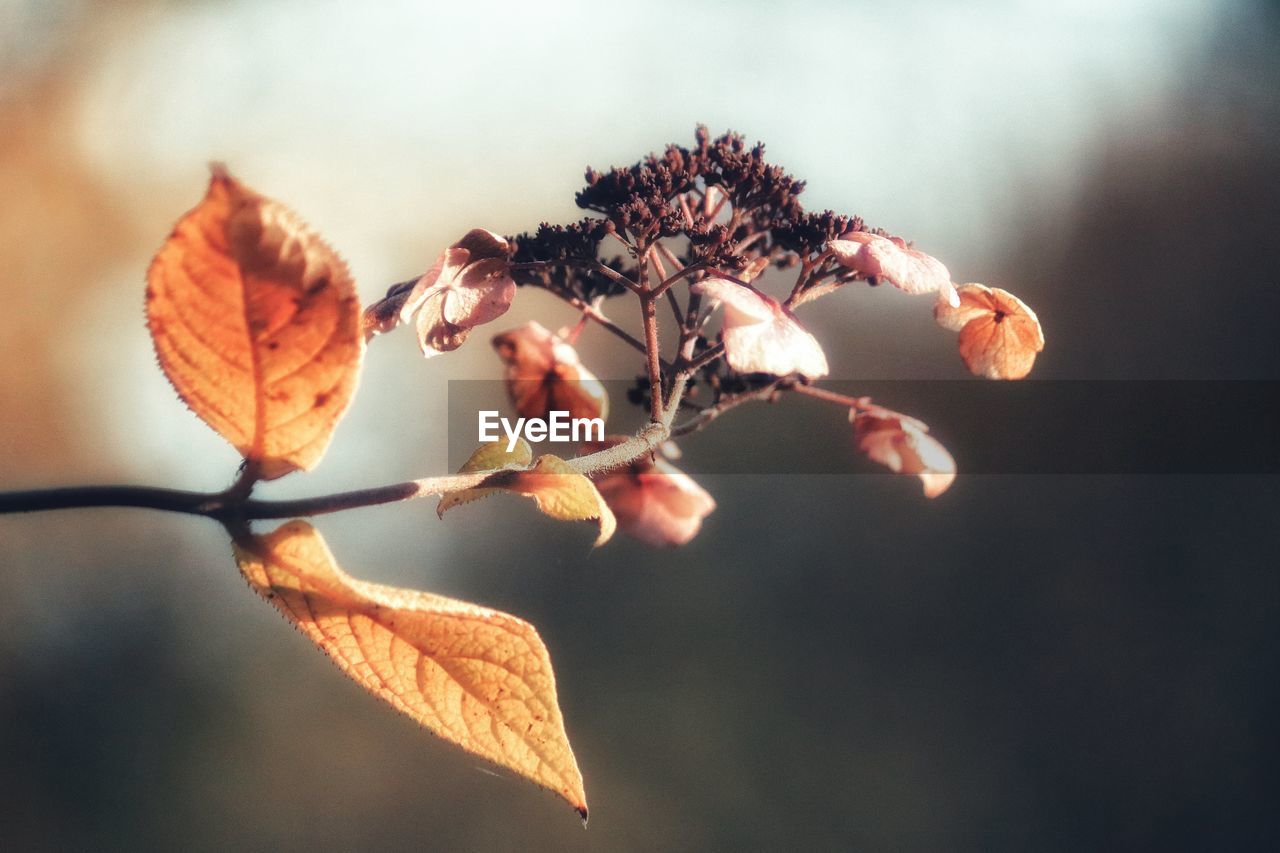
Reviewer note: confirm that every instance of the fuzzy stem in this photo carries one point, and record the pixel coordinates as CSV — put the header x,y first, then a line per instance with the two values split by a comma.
x,y
591,312
708,356
229,507
649,309
831,396
709,414
679,274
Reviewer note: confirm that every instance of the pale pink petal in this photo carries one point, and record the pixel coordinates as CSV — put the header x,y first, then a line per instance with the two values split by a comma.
x,y
439,277
904,446
653,500
713,199
483,245
956,317
437,335
481,294
469,284
892,260
760,335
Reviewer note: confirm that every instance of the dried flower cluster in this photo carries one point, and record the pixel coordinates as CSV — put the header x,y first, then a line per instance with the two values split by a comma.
x,y
696,228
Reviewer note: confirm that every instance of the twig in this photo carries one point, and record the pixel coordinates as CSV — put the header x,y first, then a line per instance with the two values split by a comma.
x,y
653,362
591,312
710,413
832,397
693,366
676,312
679,274
228,507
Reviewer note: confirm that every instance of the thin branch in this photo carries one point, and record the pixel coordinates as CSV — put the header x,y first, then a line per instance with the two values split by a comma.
x,y
669,255
226,506
719,205
802,281
676,311
674,400
588,310
623,453
679,274
684,208
807,287
234,506
649,309
585,265
689,324
748,241
143,497
709,355
657,261
693,323
767,393
832,397
617,235
814,292
592,313
617,277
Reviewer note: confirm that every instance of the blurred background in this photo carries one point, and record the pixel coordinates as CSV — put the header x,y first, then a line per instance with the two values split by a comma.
x,y
1027,663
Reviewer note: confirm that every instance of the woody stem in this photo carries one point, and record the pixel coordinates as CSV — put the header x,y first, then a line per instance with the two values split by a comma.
x,y
592,313
829,396
649,309
228,506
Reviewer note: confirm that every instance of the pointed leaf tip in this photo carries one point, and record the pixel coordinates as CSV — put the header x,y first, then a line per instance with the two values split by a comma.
x,y
478,678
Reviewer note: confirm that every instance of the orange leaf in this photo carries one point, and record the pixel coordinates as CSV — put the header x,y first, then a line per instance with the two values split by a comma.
x,y
478,678
256,323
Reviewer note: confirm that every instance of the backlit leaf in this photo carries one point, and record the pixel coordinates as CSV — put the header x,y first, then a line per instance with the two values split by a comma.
x,y
256,323
488,457
476,677
555,487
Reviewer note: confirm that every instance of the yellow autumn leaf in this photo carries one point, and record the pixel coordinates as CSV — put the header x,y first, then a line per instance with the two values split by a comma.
x,y
556,489
492,456
478,678
256,323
